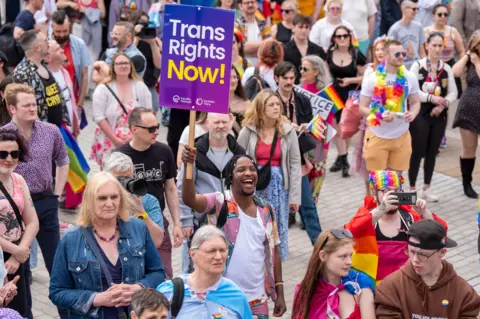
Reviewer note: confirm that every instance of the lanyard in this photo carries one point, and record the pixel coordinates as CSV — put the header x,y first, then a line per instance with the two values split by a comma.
x,y
429,70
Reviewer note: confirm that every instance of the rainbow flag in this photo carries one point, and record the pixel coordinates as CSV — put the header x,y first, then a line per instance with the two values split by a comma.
x,y
316,127
331,94
78,168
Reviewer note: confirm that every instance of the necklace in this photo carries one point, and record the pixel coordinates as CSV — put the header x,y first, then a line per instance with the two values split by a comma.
x,y
106,239
387,98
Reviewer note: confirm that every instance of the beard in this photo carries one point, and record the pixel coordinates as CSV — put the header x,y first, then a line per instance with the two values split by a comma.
x,y
61,40
391,212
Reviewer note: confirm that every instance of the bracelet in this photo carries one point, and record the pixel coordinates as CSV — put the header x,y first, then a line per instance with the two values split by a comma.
x,y
279,283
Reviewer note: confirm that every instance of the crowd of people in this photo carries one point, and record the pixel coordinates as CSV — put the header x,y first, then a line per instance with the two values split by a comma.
x,y
397,66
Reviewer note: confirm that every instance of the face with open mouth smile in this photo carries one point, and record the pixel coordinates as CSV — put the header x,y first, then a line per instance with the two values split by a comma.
x,y
245,177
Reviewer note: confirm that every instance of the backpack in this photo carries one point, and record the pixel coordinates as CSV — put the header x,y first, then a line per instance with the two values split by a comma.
x,y
255,84
10,46
178,295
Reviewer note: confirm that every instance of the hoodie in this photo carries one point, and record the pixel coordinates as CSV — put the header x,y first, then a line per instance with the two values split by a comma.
x,y
404,295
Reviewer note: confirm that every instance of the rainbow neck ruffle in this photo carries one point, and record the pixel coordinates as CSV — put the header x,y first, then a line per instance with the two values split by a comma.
x,y
387,98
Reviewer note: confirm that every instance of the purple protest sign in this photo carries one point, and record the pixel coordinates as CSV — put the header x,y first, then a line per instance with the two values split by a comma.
x,y
196,58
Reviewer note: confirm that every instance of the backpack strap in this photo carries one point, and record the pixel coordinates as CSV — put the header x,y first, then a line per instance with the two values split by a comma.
x,y
223,215
178,295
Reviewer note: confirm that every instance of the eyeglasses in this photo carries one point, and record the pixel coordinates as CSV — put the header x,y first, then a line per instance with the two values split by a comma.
x,y
304,69
338,234
442,14
122,63
420,256
342,36
414,9
286,11
151,129
112,34
398,54
14,154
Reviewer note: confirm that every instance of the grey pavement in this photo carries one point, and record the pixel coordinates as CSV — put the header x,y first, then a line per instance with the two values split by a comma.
x,y
339,200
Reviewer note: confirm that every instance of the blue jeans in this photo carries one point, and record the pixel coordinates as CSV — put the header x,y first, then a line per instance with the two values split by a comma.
x,y
34,254
308,212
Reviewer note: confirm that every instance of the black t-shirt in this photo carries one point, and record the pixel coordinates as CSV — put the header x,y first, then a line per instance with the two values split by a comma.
x,y
150,77
293,55
347,71
25,20
156,165
53,101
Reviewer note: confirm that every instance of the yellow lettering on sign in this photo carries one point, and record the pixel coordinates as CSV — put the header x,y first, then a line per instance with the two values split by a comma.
x,y
194,73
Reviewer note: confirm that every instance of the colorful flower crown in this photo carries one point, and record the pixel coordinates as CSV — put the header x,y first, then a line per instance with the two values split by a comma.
x,y
382,179
383,38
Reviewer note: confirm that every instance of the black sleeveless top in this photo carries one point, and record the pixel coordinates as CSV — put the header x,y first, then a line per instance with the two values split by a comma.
x,y
283,34
405,223
439,84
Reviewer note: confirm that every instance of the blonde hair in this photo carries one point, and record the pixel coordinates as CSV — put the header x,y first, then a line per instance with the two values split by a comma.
x,y
133,73
86,216
255,115
474,42
12,90
329,2
293,4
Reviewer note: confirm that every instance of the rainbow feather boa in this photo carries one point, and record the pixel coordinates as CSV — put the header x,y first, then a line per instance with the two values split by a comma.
x,y
387,98
382,179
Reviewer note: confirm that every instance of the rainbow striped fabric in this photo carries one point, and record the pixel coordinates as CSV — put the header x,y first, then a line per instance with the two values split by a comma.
x,y
317,127
78,168
331,94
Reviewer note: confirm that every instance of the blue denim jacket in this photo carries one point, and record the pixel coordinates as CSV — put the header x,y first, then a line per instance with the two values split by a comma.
x,y
76,275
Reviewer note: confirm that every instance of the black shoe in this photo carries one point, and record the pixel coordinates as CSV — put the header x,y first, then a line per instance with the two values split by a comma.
x,y
303,227
469,191
467,165
337,166
291,220
345,166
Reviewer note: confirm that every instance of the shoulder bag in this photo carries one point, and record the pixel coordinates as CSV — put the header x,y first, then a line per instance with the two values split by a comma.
x,y
264,173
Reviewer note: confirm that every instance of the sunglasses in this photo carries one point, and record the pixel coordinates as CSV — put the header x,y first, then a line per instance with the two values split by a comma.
x,y
286,11
414,9
151,129
342,36
338,234
304,69
398,54
442,14
13,154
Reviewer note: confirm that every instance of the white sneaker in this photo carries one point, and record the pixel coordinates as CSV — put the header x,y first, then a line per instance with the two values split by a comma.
x,y
427,195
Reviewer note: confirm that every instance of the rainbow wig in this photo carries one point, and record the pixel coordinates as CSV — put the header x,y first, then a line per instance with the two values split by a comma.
x,y
382,179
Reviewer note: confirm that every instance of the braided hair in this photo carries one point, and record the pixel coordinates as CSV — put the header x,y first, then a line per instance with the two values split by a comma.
x,y
231,166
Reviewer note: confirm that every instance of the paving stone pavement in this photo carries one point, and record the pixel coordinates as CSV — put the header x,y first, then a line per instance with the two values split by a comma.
x,y
339,200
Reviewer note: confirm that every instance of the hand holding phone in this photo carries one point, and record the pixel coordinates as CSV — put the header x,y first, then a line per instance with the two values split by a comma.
x,y
406,198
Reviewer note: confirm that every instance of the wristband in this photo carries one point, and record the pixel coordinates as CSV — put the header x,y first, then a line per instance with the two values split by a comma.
x,y
279,283
142,216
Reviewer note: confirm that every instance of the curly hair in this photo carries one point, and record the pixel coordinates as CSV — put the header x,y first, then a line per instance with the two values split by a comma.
x,y
270,53
255,115
231,166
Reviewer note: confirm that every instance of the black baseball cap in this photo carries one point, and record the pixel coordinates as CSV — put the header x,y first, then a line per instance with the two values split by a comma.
x,y
431,234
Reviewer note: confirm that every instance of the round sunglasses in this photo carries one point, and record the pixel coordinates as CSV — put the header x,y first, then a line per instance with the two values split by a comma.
x,y
14,154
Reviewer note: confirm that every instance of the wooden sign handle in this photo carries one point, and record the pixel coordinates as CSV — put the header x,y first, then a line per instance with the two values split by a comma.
x,y
191,141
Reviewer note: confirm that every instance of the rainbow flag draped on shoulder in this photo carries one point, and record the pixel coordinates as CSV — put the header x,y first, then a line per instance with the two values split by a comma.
x,y
78,167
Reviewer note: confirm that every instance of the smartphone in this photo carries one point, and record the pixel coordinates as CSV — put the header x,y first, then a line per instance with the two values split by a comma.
x,y
147,33
406,198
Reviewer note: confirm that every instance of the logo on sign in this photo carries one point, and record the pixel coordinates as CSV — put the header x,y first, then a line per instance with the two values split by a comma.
x,y
199,101
176,98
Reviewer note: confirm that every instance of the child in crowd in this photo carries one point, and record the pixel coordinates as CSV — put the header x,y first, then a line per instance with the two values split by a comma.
x,y
149,304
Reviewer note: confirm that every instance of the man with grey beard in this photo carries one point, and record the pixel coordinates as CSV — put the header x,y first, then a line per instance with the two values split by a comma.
x,y
214,151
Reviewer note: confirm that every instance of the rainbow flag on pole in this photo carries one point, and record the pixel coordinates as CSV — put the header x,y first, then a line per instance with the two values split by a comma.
x,y
317,127
331,94
78,167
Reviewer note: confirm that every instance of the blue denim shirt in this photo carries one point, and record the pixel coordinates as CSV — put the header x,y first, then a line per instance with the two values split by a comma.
x,y
76,274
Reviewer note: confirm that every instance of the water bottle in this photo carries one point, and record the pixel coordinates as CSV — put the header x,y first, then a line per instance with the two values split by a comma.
x,y
3,270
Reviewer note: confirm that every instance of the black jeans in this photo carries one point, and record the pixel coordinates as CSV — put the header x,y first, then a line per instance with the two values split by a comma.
x,y
22,302
427,133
